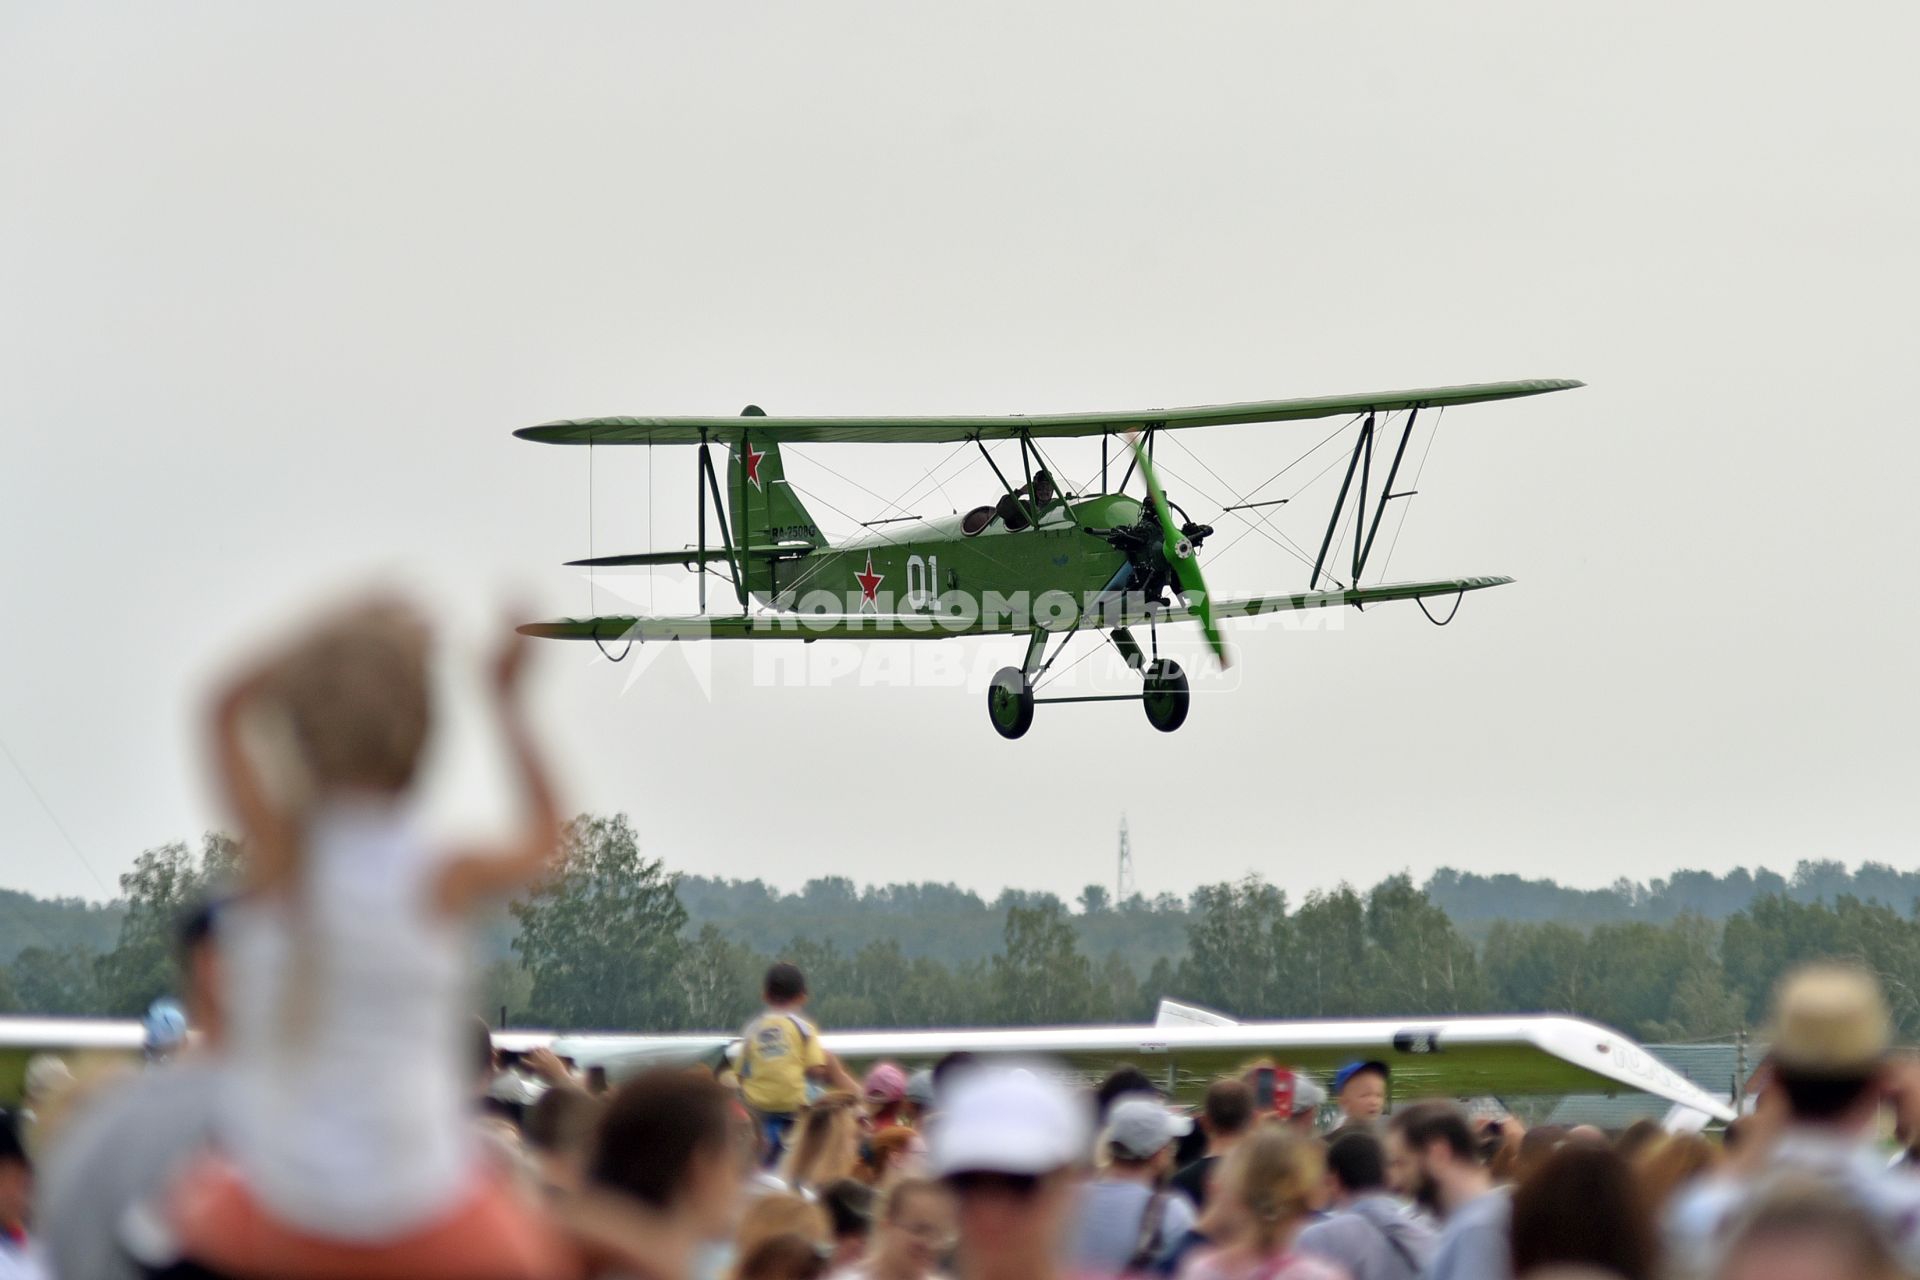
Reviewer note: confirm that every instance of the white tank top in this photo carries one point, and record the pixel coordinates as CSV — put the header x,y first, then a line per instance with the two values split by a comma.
x,y
355,1126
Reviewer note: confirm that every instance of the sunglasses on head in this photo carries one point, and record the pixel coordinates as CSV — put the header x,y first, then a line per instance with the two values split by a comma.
x,y
1020,1186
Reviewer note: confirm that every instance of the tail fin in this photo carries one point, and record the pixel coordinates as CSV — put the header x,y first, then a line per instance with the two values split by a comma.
x,y
763,509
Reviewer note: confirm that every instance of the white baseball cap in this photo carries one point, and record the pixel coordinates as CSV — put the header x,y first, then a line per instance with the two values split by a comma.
x,y
1141,1126
1008,1120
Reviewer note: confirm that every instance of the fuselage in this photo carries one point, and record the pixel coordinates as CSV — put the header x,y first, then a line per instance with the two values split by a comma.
x,y
936,566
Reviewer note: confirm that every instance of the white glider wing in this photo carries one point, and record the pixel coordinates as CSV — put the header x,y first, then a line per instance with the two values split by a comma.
x,y
1187,1046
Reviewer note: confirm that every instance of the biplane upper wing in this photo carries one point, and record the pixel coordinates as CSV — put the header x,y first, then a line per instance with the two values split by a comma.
x,y
935,430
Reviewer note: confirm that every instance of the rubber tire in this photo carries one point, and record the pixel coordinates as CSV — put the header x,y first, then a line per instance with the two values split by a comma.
x,y
1010,703
1166,698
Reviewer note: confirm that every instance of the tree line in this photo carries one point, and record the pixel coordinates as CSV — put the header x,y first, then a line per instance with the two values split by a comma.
x,y
614,940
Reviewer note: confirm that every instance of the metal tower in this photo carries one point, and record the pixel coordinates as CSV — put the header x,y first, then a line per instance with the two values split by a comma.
x,y
1123,885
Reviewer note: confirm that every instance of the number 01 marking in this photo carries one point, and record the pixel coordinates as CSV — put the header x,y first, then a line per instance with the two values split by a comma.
x,y
923,582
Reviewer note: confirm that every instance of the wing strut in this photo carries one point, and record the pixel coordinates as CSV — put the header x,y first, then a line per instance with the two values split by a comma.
x,y
700,492
1025,505
703,481
1146,441
726,538
1362,461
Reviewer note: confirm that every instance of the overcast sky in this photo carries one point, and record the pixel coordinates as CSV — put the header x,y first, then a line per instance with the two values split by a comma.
x,y
277,283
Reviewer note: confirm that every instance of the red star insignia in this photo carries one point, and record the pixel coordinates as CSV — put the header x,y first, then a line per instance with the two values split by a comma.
x,y
869,583
753,465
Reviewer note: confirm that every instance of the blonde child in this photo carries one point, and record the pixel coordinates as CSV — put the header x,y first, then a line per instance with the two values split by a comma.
x,y
347,1140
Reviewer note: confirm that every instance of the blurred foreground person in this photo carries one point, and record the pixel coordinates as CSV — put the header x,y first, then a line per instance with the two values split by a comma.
x,y
1371,1232
1581,1208
884,1092
892,1154
1265,1193
1129,1220
1673,1164
1121,1082
823,1145
914,1235
1807,1231
918,1108
45,1090
850,1206
344,1134
787,1257
1831,1032
782,1213
1435,1160
19,1257
1006,1145
662,1179
559,1136
1226,1115
124,1141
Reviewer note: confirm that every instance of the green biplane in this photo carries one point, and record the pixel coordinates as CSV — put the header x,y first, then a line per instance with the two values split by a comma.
x,y
1040,562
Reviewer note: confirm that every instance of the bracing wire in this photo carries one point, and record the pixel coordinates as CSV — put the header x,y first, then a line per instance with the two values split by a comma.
x,y
1433,435
52,817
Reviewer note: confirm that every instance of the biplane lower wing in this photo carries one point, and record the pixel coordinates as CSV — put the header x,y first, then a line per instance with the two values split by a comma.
x,y
930,625
1359,597
693,556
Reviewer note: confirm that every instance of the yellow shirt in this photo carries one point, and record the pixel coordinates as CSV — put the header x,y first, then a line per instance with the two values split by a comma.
x,y
777,1049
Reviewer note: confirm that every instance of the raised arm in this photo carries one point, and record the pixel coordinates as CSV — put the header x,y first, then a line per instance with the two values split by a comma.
x,y
473,875
267,832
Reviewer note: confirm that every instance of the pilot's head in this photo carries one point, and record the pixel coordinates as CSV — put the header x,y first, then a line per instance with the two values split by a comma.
x,y
1042,486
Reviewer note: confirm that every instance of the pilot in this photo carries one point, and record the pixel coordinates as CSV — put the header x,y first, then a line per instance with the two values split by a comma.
x,y
1012,510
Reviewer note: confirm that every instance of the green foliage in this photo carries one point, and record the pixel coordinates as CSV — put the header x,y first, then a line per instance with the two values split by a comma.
x,y
27,921
1419,963
503,985
1238,953
614,941
1040,976
55,981
719,980
601,938
1339,954
164,884
939,921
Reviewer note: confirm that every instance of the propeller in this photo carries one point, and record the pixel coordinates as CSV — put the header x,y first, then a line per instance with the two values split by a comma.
x,y
1178,542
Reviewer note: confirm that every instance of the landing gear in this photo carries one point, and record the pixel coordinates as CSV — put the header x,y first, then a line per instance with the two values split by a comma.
x,y
1010,702
1165,698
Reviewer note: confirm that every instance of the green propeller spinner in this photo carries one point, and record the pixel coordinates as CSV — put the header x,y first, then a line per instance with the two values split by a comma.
x,y
1181,560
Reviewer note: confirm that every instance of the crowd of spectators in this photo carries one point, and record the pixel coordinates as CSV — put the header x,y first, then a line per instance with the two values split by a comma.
x,y
333,1114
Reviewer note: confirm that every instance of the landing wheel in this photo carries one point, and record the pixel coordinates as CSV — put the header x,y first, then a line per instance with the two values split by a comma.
x,y
1165,699
1010,702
